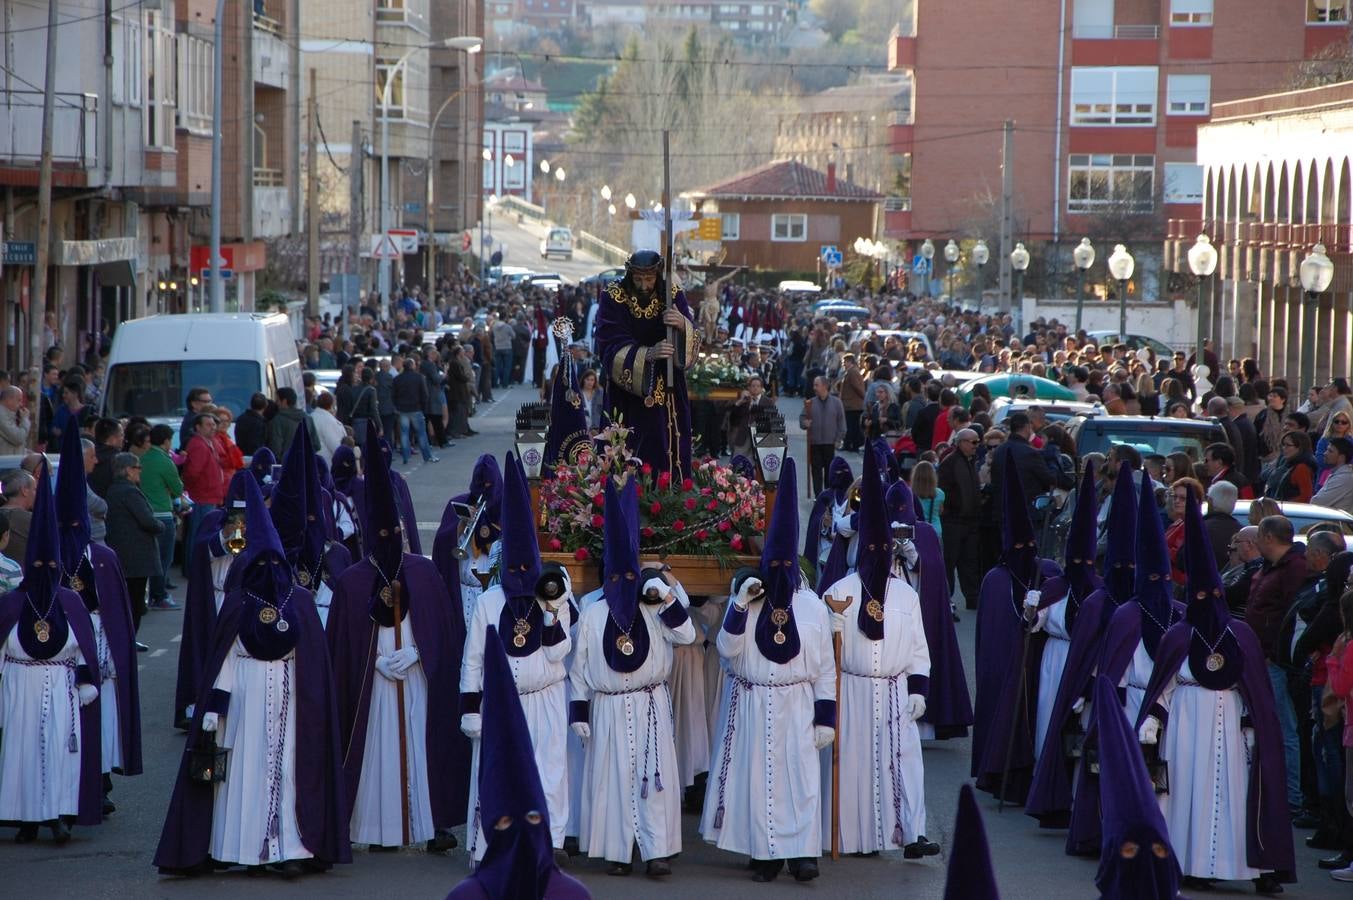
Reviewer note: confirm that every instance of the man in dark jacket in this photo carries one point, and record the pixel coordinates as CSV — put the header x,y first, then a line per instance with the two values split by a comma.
x,y
133,530
1039,471
1248,455
923,428
283,426
961,517
1220,522
107,444
251,429
1220,462
411,398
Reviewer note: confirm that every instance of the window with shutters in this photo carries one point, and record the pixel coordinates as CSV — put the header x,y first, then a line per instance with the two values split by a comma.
x,y
1190,13
195,93
1188,95
1124,95
789,227
1326,12
161,81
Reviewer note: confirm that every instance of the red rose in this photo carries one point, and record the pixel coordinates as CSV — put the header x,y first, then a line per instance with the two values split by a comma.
x,y
760,525
736,542
702,534
691,503
598,521
654,508
581,554
705,492
724,526
598,500
665,480
679,525
646,469
687,485
712,505
556,544
647,532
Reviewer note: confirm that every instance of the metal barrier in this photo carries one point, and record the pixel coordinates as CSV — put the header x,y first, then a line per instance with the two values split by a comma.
x,y
606,252
522,209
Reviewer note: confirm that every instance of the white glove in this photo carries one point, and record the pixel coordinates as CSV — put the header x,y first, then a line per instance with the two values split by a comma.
x,y
842,527
582,730
403,659
1248,734
1079,706
915,706
910,555
749,587
838,622
657,584
384,667
1032,599
209,722
1149,733
1040,621
823,736
191,710
472,725
88,694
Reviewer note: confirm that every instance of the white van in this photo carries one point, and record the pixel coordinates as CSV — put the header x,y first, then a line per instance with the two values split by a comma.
x,y
557,241
155,361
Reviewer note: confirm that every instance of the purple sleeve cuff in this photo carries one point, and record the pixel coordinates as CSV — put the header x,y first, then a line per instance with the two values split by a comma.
x,y
824,713
83,675
1159,712
735,620
218,701
1246,722
1122,693
469,702
674,616
918,684
553,634
579,711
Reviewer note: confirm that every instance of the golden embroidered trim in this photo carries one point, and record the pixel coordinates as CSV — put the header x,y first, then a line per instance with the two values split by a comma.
x,y
650,311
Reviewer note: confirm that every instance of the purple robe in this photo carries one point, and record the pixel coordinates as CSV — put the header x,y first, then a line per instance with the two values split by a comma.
x,y
439,632
403,501
1268,823
91,746
947,706
999,642
115,611
561,886
199,614
637,392
321,797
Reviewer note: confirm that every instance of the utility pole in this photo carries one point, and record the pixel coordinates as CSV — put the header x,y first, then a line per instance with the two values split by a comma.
x,y
37,319
1007,210
356,168
216,285
312,208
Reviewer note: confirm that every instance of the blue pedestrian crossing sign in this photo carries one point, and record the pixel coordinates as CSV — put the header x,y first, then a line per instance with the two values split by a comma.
x,y
920,265
831,257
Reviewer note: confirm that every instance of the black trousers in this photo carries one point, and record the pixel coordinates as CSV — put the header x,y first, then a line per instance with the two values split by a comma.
x,y
963,554
854,438
438,429
136,592
820,456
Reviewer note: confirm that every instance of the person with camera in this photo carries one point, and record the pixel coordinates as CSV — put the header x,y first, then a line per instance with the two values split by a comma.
x,y
621,703
743,415
885,678
532,608
882,415
763,798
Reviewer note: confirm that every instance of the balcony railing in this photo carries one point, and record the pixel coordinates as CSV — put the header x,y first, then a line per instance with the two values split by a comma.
x,y
264,22
896,204
268,177
75,121
1120,32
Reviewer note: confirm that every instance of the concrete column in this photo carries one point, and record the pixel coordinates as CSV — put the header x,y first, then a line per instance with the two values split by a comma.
x,y
1244,322
1339,317
1291,362
1324,322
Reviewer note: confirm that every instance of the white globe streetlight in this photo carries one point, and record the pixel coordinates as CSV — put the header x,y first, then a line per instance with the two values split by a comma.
x,y
1121,267
1317,273
1084,257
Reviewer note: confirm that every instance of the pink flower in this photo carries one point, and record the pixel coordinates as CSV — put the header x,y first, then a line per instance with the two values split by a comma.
x,y
691,503
702,534
679,525
598,521
556,544
705,492
655,508
736,542
687,485
581,554
724,526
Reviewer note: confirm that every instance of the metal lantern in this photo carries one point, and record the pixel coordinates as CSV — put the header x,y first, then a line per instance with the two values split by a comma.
x,y
531,451
207,762
1073,740
770,454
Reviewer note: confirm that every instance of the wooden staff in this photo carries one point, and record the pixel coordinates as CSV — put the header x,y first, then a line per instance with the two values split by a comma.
x,y
808,448
395,590
837,606
667,301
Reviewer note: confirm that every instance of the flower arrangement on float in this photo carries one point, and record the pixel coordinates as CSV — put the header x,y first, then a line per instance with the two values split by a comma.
x,y
713,376
714,513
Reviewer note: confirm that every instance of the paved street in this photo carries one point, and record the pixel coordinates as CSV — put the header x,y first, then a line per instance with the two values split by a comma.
x,y
114,860
521,247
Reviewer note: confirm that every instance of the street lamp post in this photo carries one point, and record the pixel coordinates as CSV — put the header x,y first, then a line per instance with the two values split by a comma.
x,y
464,43
928,254
981,255
1019,262
1316,274
1084,257
1202,263
951,257
1121,267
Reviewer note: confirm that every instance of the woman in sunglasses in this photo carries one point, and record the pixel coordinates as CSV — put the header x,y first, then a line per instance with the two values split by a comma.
x,y
1293,475
1338,426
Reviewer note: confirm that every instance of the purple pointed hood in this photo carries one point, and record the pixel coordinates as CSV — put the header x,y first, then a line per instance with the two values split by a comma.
x,y
519,564
1152,585
874,558
1019,547
1214,654
72,502
620,554
970,876
1120,552
270,622
1081,539
42,575
840,478
901,504
261,464
386,538
343,467
1136,860
289,495
779,556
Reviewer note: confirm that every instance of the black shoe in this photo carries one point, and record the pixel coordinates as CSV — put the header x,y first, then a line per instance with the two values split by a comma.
x,y
291,870
803,869
920,847
141,648
28,833
60,832
256,871
765,870
1267,884
571,846
470,432
870,855
442,841
1197,884
377,848
108,807
561,859
1338,861
1324,839
658,868
1305,819
620,869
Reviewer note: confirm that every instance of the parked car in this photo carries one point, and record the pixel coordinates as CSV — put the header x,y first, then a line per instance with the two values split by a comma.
x,y
1018,385
882,334
604,277
504,274
844,311
799,288
550,281
1304,516
558,241
1134,341
1096,432
1055,410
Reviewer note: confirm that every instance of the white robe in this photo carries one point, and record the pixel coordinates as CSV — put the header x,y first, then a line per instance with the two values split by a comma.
x,y
376,810
841,513
220,568
577,750
875,735
259,790
1050,666
471,588
39,719
1135,680
631,721
772,783
541,684
707,619
1209,769
689,701
108,713
343,521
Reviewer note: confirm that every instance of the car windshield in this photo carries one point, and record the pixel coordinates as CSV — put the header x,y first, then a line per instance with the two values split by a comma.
x,y
1163,441
160,389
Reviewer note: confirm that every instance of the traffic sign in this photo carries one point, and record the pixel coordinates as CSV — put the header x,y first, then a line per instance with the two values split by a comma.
x,y
226,274
20,253
920,265
406,239
833,259
826,251
200,257
710,229
384,246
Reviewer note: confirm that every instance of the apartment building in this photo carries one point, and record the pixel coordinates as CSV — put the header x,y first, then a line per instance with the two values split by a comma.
x,y
1106,97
